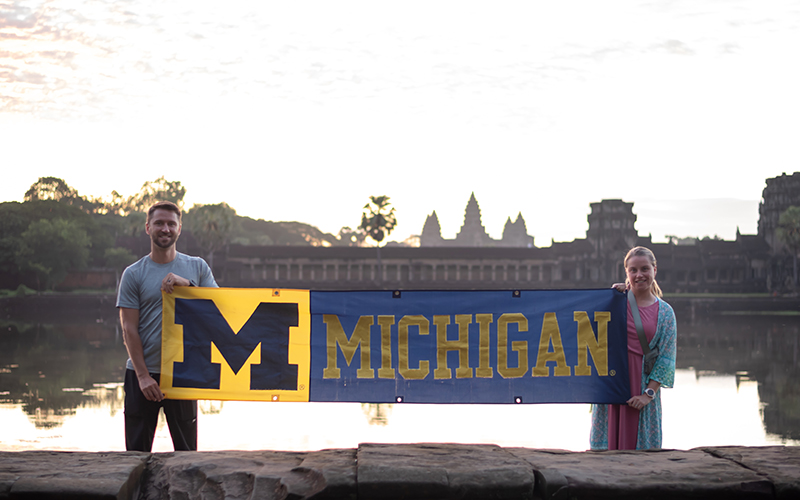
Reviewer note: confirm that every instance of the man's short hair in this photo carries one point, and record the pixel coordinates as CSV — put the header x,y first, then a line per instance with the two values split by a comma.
x,y
164,205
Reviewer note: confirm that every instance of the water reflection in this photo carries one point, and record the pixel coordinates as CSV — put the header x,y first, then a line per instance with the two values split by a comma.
x,y
109,397
61,388
206,407
52,369
752,348
377,413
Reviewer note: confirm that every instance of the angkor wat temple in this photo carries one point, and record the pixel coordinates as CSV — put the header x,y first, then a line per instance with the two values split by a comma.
x,y
473,234
473,260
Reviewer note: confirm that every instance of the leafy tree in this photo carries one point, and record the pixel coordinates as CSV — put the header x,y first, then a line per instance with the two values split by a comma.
x,y
13,222
99,228
788,232
50,188
134,223
114,226
351,237
118,259
378,220
53,188
261,232
15,219
154,191
262,240
116,204
211,226
52,248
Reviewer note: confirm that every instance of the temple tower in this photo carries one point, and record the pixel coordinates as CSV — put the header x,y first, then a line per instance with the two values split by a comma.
x,y
781,193
431,232
515,234
472,233
611,230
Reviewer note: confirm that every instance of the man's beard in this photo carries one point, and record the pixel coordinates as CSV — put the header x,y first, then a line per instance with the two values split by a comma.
x,y
170,242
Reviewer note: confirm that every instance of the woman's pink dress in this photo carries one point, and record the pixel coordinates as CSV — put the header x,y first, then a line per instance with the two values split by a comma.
x,y
623,421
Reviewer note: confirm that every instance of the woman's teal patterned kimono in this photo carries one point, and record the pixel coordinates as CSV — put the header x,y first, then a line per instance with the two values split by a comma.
x,y
649,434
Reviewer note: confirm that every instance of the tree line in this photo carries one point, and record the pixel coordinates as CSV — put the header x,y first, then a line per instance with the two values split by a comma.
x,y
56,230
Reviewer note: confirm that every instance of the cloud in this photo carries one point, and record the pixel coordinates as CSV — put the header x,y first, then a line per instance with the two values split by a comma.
x,y
5,54
58,55
16,16
23,77
676,47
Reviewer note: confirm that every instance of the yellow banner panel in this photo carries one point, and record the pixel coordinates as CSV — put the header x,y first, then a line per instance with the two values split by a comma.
x,y
236,344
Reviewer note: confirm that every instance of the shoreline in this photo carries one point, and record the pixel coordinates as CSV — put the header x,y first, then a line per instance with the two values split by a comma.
x,y
102,305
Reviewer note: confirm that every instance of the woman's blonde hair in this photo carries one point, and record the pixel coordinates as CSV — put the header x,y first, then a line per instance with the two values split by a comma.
x,y
643,252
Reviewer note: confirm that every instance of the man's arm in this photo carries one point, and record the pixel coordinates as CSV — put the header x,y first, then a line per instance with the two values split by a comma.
x,y
129,318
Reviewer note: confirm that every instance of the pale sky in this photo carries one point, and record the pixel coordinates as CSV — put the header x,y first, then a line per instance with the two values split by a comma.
x,y
302,110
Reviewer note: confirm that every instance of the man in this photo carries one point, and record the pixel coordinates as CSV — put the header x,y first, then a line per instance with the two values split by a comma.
x,y
139,303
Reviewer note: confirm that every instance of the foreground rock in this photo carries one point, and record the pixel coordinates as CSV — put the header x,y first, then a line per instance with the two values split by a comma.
x,y
781,465
429,471
251,474
643,474
387,471
49,474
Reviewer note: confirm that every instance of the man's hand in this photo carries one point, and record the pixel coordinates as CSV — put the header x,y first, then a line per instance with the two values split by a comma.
x,y
150,388
172,280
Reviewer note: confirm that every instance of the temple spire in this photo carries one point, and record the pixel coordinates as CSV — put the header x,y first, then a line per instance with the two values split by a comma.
x,y
431,231
472,233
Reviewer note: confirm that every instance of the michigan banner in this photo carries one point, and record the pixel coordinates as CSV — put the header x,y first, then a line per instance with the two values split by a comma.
x,y
522,346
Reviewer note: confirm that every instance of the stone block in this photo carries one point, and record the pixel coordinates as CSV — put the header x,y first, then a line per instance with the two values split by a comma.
x,y
653,474
435,470
219,474
327,474
338,471
780,464
66,475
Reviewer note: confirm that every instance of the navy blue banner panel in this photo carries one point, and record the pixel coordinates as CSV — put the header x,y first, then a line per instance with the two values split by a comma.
x,y
527,346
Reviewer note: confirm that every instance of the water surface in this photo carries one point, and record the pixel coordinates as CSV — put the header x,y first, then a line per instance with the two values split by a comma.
x,y
61,389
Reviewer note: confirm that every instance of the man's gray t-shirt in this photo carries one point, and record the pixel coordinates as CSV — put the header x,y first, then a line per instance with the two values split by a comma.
x,y
140,288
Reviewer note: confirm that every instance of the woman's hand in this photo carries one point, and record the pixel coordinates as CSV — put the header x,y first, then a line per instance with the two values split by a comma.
x,y
620,287
639,402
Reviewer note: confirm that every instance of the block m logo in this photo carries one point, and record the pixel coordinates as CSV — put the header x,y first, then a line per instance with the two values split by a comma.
x,y
267,327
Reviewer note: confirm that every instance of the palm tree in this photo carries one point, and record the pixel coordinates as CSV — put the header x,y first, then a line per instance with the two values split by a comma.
x,y
378,220
788,232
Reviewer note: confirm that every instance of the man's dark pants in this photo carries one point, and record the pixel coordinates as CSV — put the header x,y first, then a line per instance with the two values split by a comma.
x,y
141,418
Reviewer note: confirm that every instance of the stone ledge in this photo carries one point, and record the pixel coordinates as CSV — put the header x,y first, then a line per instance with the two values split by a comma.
x,y
67,475
389,471
423,470
643,474
779,464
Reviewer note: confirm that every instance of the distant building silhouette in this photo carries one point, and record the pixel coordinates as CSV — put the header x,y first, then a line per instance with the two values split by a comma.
x,y
781,193
473,260
473,234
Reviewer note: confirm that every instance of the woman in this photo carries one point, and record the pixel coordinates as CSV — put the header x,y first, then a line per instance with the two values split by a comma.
x,y
637,425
